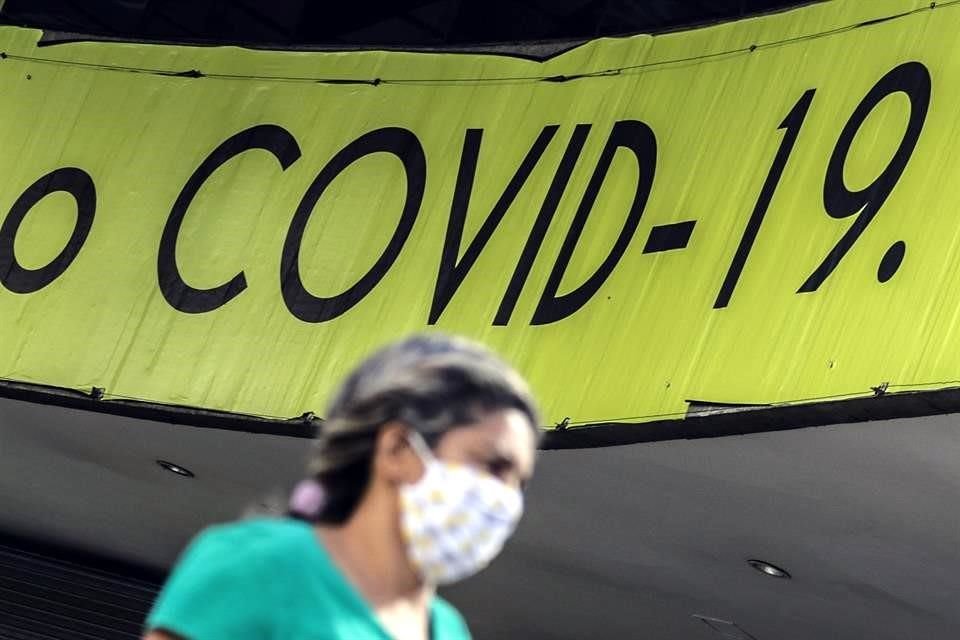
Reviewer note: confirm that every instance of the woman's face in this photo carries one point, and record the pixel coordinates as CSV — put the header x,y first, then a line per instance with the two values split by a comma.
x,y
500,443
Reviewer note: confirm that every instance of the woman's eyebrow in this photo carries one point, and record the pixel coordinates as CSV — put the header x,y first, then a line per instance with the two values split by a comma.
x,y
493,456
510,461
491,453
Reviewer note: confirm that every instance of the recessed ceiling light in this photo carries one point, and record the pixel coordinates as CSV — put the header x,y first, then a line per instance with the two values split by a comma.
x,y
175,468
768,569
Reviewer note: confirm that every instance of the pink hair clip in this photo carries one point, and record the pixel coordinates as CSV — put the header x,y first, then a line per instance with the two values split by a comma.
x,y
307,498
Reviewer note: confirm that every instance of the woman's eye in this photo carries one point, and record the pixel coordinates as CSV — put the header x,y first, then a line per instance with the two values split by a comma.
x,y
498,468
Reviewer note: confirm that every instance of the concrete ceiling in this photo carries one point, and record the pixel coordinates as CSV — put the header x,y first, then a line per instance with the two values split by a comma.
x,y
629,541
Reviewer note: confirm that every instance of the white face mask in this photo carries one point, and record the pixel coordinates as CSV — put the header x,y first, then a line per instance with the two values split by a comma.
x,y
455,519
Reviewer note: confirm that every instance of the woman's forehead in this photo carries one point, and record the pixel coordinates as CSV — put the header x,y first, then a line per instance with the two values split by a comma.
x,y
506,432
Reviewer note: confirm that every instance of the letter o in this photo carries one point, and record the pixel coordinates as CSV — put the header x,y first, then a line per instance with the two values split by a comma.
x,y
77,183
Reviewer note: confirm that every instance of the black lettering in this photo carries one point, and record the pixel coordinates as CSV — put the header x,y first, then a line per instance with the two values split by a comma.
x,y
77,183
792,124
179,294
401,143
640,139
452,273
541,224
839,201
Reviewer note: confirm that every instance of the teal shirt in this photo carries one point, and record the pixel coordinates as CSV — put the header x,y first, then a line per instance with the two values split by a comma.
x,y
270,579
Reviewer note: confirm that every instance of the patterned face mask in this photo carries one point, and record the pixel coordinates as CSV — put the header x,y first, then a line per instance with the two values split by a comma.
x,y
455,519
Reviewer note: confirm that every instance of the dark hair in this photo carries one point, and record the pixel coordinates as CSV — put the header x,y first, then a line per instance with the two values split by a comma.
x,y
430,382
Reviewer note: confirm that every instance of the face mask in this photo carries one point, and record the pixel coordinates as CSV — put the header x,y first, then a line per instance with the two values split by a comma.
x,y
455,519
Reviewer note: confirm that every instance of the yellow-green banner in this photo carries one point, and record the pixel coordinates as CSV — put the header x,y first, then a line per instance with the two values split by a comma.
x,y
763,211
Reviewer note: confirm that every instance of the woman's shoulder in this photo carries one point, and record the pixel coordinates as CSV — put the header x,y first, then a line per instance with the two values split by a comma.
x,y
249,546
220,586
252,543
448,623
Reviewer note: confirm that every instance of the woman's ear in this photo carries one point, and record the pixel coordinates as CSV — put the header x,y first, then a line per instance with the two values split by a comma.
x,y
394,460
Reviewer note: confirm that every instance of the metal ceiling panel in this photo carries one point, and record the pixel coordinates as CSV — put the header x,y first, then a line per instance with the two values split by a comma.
x,y
46,597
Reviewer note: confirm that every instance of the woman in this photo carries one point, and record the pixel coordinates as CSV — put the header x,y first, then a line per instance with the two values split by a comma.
x,y
415,481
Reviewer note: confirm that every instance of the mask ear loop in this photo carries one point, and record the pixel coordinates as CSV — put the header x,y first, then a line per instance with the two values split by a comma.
x,y
419,446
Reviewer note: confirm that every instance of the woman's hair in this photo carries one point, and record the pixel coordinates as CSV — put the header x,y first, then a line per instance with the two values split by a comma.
x,y
431,383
